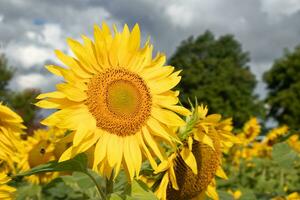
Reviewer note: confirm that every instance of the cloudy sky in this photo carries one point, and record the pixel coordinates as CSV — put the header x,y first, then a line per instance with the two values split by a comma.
x,y
31,29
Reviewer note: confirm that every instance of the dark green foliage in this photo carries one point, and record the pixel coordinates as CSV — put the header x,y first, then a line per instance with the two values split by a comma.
x,y
216,72
6,74
264,178
23,103
283,81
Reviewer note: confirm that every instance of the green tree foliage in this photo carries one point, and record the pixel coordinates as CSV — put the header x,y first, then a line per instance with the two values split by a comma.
x,y
6,75
216,72
283,82
22,102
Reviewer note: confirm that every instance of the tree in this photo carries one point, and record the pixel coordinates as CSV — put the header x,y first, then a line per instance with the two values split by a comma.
x,y
283,82
22,102
216,72
6,74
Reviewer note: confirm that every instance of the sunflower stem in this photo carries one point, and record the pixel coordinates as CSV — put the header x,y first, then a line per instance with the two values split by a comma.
x,y
101,193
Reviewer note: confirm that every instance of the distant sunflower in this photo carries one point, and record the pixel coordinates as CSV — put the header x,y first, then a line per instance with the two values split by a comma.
x,y
10,131
274,134
116,96
250,131
38,149
190,173
6,192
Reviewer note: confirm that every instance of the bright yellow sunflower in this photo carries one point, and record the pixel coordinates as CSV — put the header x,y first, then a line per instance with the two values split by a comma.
x,y
10,130
190,171
39,149
116,96
6,192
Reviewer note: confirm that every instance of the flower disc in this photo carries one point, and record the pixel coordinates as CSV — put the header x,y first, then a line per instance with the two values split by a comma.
x,y
119,100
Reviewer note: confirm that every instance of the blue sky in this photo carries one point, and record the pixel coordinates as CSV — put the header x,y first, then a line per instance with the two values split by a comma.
x,y
30,30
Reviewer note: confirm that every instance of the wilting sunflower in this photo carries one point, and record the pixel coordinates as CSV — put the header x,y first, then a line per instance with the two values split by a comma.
x,y
10,131
39,149
6,192
116,96
189,173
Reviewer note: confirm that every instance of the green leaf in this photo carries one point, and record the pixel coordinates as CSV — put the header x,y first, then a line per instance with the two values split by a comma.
x,y
140,191
31,191
247,194
283,155
78,163
224,195
115,197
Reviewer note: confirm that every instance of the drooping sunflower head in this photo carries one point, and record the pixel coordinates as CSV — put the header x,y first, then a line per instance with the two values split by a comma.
x,y
10,130
192,171
6,192
117,97
37,150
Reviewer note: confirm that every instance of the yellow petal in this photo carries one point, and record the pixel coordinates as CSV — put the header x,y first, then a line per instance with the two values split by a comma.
x,y
189,159
163,85
100,149
173,179
72,93
55,94
167,117
128,158
151,143
220,172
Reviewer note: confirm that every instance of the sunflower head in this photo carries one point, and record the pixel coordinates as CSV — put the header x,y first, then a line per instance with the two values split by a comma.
x,y
192,170
37,150
250,131
191,184
116,98
274,134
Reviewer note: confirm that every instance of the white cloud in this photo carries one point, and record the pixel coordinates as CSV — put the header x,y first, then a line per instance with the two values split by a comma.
x,y
34,80
189,12
278,8
29,80
179,15
53,36
28,55
1,18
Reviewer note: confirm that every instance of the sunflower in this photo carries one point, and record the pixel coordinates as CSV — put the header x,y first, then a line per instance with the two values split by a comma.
x,y
190,171
117,97
250,131
6,192
39,149
10,130
274,134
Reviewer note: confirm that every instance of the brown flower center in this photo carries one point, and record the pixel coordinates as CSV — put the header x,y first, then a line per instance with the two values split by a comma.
x,y
119,100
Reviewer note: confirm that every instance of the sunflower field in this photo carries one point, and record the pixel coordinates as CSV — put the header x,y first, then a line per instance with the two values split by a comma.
x,y
117,130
